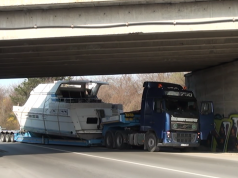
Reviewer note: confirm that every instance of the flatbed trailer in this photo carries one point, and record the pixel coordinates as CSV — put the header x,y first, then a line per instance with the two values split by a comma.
x,y
27,137
123,120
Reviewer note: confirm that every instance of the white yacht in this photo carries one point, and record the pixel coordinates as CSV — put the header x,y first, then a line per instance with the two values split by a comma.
x,y
66,109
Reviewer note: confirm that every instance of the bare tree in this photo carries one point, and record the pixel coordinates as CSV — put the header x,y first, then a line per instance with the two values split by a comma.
x,y
7,118
127,89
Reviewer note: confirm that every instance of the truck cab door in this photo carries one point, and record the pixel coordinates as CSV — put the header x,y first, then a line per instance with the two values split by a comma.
x,y
158,117
154,116
206,119
148,112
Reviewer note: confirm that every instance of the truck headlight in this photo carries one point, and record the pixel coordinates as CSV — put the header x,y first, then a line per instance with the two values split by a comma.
x,y
175,126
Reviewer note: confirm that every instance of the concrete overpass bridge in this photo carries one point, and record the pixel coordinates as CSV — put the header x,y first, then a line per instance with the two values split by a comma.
x,y
94,37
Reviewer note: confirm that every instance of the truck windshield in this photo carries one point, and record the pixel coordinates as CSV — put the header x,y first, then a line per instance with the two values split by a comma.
x,y
181,107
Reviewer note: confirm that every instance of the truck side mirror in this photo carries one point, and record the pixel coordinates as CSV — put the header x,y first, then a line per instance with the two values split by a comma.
x,y
206,107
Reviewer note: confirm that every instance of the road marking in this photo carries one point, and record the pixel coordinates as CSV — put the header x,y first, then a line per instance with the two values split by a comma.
x,y
128,162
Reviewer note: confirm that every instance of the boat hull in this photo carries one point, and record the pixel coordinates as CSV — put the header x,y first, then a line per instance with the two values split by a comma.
x,y
79,120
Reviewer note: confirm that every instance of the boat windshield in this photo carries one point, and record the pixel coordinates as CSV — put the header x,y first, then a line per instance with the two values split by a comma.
x,y
82,92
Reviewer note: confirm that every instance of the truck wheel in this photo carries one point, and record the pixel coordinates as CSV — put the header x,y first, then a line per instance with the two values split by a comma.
x,y
151,142
120,140
12,138
109,139
8,138
3,137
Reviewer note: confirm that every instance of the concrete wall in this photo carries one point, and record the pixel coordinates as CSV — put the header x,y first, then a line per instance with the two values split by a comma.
x,y
218,84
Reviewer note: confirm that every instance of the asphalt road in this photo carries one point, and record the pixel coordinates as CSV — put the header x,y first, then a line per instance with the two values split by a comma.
x,y
38,161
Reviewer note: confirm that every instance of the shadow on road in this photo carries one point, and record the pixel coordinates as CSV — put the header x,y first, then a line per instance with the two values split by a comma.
x,y
10,149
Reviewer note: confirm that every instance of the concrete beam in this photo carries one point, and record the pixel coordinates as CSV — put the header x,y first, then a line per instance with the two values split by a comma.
x,y
77,50
97,55
101,16
183,44
6,5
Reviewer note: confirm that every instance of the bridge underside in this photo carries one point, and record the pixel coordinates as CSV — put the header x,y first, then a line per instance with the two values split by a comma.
x,y
117,54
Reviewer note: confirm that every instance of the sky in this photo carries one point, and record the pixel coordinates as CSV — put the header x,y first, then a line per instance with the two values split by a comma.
x,y
9,82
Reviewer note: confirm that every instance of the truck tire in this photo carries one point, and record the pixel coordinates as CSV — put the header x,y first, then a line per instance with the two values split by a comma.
x,y
119,139
109,139
3,137
151,143
12,138
8,138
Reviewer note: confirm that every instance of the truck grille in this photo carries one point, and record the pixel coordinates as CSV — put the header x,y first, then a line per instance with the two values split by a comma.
x,y
184,126
184,137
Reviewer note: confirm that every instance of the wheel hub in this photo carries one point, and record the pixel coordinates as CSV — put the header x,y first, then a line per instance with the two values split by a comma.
x,y
151,142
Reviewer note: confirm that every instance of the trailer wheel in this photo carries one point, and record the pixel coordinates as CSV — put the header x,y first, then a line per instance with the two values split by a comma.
x,y
8,138
12,138
151,142
3,137
120,140
109,139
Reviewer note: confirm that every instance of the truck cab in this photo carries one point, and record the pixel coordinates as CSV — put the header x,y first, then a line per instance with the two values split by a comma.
x,y
169,112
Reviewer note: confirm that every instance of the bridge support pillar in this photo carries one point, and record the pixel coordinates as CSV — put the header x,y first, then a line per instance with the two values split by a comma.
x,y
218,84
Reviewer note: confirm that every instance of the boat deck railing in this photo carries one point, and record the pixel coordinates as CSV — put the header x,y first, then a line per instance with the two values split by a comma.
x,y
77,100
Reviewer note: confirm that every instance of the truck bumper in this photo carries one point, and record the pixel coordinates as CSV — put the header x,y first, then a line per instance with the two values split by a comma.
x,y
180,139
178,145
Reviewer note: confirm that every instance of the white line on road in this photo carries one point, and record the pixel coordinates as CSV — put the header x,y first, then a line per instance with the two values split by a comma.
x,y
128,162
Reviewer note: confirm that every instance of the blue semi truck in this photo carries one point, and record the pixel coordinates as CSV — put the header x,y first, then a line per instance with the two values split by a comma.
x,y
169,117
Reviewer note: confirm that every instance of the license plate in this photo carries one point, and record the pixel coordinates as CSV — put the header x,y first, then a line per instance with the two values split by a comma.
x,y
184,144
